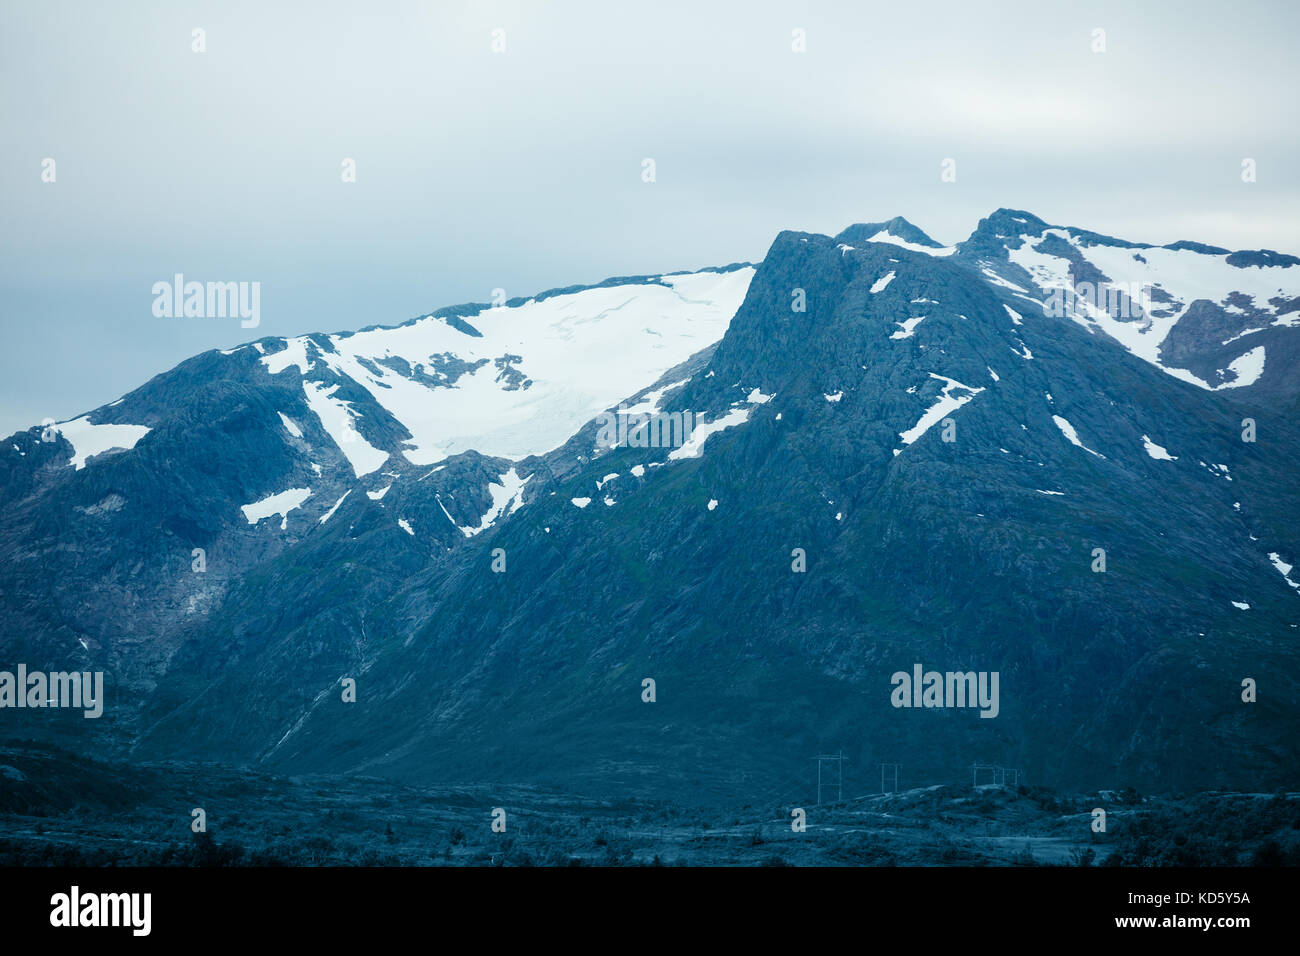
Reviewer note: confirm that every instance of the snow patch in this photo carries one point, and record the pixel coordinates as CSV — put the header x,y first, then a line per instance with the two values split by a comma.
x,y
507,497
1247,368
1071,436
279,504
944,405
1157,452
1283,569
88,440
880,284
649,403
886,236
997,280
569,357
336,417
289,425
330,514
1185,275
293,354
693,447
908,327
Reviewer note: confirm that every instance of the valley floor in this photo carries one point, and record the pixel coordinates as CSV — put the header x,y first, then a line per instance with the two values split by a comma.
x,y
60,809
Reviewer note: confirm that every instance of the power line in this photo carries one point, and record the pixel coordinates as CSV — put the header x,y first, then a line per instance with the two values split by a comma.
x,y
999,774
838,758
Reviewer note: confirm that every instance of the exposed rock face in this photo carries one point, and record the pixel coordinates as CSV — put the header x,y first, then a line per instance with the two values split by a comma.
x,y
899,418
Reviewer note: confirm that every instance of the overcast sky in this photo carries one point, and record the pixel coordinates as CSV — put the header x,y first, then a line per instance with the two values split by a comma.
x,y
522,170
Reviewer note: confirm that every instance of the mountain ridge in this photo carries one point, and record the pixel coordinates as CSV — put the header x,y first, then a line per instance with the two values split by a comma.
x,y
823,431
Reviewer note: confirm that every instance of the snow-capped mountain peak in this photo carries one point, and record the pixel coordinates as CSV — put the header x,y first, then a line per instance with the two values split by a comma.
x,y
897,231
1211,317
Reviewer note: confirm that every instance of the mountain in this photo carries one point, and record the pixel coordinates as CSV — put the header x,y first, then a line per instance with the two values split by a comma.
x,y
897,231
1215,318
902,453
246,453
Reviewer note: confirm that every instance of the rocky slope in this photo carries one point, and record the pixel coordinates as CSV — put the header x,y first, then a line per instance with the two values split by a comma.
x,y
906,421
